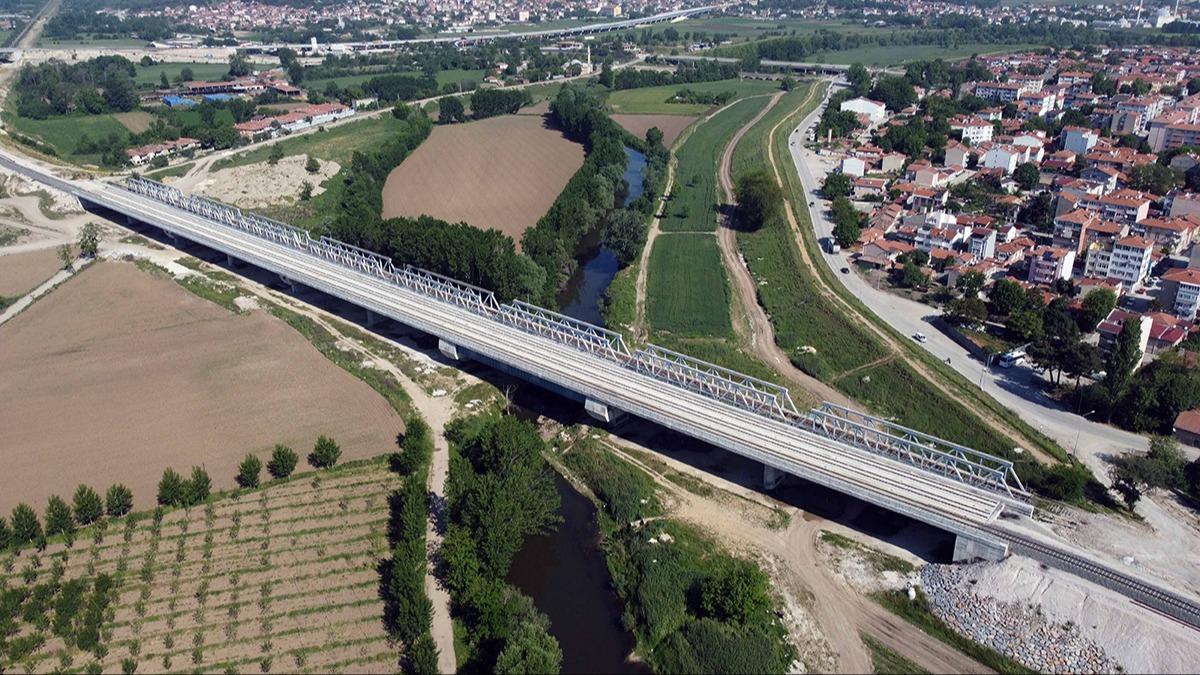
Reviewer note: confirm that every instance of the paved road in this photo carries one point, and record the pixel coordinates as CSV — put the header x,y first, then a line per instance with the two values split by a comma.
x,y
1016,388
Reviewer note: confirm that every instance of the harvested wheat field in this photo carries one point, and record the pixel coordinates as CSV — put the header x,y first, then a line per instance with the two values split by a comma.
x,y
120,373
136,121
280,579
23,272
500,173
670,125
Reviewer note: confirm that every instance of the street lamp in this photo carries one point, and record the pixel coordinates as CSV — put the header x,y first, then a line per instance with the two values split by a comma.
x,y
1079,430
986,364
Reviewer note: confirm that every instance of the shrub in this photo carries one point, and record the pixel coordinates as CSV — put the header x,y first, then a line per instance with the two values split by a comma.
x,y
283,462
197,488
423,656
325,453
170,489
415,449
58,518
118,501
88,507
248,472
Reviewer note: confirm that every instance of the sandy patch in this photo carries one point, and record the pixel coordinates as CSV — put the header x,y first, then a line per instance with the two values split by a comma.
x,y
670,125
136,121
501,173
22,272
263,184
119,374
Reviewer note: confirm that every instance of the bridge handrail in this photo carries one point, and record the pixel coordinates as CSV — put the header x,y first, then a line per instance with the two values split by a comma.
x,y
707,379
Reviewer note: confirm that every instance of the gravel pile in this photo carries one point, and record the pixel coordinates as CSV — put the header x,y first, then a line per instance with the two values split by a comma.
x,y
1017,631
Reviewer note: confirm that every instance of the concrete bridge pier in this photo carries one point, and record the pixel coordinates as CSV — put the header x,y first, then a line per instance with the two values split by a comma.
x,y
374,319
450,350
292,285
602,411
968,549
772,477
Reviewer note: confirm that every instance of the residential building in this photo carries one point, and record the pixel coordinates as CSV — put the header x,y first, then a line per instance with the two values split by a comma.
x,y
1170,235
1079,140
1110,328
1122,206
1181,292
973,130
982,243
1048,264
875,111
1126,261
1004,92
854,166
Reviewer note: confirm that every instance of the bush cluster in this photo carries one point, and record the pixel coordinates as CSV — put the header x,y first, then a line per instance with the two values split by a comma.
x,y
173,490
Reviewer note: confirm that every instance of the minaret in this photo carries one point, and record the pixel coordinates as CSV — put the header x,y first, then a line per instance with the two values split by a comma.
x,y
589,57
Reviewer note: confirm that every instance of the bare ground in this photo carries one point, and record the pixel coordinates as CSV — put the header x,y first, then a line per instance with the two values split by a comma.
x,y
671,125
119,374
501,173
21,272
263,184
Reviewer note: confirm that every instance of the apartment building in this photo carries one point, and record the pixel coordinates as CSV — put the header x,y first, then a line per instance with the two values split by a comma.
x,y
1181,292
1122,206
1126,260
1048,264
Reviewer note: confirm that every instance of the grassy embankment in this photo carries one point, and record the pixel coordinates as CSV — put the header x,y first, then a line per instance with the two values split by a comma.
x,y
334,144
846,353
653,100
443,78
688,294
691,605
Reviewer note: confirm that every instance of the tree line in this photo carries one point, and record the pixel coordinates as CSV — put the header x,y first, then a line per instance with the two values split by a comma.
x,y
685,73
25,529
54,88
500,491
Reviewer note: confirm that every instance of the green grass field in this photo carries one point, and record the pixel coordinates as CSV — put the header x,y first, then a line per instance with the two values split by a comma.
x,y
887,662
877,55
85,43
148,76
222,116
653,100
693,206
63,133
443,78
335,144
687,293
171,171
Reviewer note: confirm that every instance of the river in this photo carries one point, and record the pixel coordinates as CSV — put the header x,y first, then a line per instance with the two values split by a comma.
x,y
567,578
584,293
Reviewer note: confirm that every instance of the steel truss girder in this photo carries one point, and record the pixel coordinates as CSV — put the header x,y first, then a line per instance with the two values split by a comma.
x,y
680,370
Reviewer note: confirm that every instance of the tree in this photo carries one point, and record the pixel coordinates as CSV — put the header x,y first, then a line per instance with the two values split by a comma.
x,y
186,74
239,65
325,453
275,155
654,137
967,310
283,462
625,235
1006,297
1162,467
1027,175
971,283
66,255
529,649
837,184
312,165
1095,307
1152,177
450,110
306,191
860,79
423,655
758,199
88,505
894,91
911,276
1025,323
5,535
787,84
1124,358
197,488
163,81
59,520
26,529
401,111
737,592
118,501
248,472
170,488
89,240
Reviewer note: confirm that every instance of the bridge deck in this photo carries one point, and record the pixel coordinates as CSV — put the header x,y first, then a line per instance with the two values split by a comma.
x,y
894,485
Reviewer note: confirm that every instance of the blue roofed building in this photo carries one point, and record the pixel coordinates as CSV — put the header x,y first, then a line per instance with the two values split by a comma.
x,y
174,101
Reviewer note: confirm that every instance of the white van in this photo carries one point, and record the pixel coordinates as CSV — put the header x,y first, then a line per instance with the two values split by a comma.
x,y
1013,358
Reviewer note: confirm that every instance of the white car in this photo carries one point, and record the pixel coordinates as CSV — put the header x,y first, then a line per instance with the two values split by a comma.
x,y
920,337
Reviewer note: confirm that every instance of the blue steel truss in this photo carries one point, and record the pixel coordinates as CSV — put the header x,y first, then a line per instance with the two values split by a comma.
x,y
707,379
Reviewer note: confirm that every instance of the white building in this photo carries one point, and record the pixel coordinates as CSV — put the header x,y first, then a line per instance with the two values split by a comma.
x,y
1004,157
853,166
1126,260
874,110
1048,264
1079,139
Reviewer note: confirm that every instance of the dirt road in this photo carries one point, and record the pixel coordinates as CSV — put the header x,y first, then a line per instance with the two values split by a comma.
x,y
755,328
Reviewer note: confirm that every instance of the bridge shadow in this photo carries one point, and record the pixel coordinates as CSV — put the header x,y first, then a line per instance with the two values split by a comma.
x,y
531,400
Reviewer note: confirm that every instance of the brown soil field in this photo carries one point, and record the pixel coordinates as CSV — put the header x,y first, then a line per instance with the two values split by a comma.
x,y
135,121
23,272
289,572
500,173
670,125
120,373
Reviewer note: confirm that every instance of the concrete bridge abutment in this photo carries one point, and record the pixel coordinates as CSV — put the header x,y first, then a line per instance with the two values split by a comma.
x,y
450,350
772,477
968,549
602,411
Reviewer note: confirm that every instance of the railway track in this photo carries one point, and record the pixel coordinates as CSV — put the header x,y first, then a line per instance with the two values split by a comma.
x,y
1151,596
